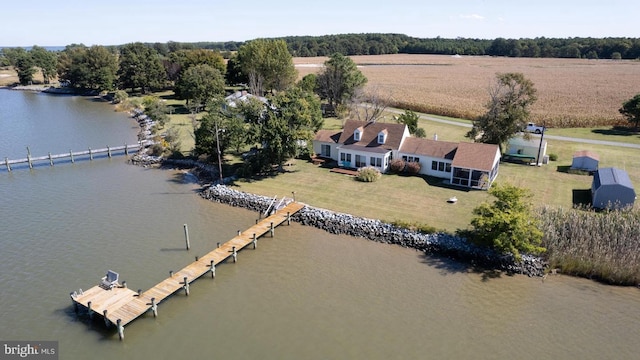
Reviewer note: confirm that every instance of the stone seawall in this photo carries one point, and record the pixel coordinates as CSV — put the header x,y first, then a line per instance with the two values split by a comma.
x,y
376,230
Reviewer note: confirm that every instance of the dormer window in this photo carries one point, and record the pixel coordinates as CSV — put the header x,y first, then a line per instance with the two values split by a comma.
x,y
357,135
382,136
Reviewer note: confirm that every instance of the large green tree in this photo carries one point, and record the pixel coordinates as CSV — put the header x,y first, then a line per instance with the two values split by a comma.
x,y
507,109
46,60
187,58
267,65
287,127
631,110
22,62
199,84
140,67
88,68
508,225
339,80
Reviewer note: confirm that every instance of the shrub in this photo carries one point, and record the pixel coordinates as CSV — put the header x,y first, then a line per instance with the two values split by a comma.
x,y
396,166
553,157
120,96
412,167
368,174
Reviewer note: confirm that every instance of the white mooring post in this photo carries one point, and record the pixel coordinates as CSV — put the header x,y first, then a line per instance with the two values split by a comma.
x,y
255,241
288,218
186,236
154,307
50,160
126,149
120,329
6,161
235,254
186,286
109,152
71,156
90,154
213,269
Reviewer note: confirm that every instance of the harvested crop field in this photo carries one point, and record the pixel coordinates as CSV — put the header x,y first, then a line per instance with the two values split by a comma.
x,y
571,92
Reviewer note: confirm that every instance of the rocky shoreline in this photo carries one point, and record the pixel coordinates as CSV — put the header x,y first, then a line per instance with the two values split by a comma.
x,y
376,230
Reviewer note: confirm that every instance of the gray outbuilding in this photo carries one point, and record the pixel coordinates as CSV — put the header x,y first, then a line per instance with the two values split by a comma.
x,y
612,189
585,160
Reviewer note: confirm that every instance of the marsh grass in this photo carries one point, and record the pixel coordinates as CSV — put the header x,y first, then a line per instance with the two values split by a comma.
x,y
599,245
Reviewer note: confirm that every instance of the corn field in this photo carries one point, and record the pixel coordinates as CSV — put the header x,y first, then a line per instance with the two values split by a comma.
x,y
571,92
598,245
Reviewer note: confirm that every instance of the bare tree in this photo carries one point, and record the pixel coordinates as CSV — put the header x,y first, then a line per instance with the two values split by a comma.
x,y
368,105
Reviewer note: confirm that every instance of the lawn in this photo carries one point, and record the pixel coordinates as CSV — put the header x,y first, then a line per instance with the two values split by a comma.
x,y
416,199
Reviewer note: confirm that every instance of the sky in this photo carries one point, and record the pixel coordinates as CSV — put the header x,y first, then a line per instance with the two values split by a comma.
x,y
116,22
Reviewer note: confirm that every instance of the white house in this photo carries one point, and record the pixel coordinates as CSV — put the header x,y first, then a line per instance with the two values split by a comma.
x,y
375,144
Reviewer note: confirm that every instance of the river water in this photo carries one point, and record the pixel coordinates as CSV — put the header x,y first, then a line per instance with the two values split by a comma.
x,y
303,294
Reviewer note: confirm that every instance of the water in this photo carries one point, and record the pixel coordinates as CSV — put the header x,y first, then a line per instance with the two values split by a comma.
x,y
304,294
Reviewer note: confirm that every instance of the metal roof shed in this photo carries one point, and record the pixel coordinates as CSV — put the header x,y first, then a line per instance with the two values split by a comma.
x,y
585,160
612,188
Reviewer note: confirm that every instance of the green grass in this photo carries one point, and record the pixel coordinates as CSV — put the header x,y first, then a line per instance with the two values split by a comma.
x,y
601,133
424,201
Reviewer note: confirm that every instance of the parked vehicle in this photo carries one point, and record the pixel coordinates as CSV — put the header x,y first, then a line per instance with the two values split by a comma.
x,y
533,128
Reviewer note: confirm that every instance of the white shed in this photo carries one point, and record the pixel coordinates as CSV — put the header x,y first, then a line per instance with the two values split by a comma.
x,y
585,160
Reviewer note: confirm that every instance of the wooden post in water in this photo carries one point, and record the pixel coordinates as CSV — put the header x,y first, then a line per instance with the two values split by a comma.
x,y
272,229
186,286
108,151
186,236
90,311
120,329
288,218
29,158
218,245
90,154
6,161
50,160
235,254
213,269
104,315
139,292
170,273
154,307
255,241
71,155
126,149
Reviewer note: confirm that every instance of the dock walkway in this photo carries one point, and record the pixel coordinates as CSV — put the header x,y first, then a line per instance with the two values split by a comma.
x,y
121,305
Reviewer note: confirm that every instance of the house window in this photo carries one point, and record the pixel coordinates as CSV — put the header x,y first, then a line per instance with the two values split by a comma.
x,y
374,161
411,158
440,166
357,135
345,157
382,136
361,161
325,150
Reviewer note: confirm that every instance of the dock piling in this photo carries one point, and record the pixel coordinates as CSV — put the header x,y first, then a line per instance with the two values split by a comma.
x,y
71,156
154,307
255,241
186,286
90,154
272,230
235,254
108,151
213,269
120,329
186,236
106,321
50,160
90,311
6,161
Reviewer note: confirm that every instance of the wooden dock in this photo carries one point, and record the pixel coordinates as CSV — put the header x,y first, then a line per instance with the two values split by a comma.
x,y
120,305
72,155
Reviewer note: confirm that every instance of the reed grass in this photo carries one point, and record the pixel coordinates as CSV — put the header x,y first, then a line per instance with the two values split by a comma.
x,y
598,245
